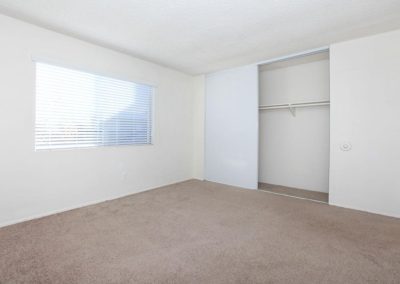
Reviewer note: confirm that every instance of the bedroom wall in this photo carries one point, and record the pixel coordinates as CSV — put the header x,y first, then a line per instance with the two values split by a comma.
x,y
198,126
365,95
33,183
294,151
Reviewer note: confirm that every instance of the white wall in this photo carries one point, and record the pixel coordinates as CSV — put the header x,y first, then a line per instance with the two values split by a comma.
x,y
365,99
294,151
198,126
38,183
231,138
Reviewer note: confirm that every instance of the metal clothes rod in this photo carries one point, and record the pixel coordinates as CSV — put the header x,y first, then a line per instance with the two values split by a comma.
x,y
292,107
295,105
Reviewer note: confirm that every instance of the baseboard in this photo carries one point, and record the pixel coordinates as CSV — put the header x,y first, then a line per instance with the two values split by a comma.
x,y
365,211
49,213
233,185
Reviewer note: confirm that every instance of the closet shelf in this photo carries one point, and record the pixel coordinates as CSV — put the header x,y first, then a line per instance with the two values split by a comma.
x,y
292,107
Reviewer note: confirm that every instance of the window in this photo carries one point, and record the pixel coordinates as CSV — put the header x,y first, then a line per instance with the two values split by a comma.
x,y
76,109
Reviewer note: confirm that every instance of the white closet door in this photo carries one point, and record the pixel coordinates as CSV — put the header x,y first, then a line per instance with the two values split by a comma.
x,y
231,140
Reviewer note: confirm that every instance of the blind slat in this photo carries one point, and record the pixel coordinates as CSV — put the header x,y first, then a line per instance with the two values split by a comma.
x,y
77,109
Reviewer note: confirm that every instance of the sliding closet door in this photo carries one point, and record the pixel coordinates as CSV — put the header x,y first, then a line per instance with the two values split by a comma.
x,y
231,140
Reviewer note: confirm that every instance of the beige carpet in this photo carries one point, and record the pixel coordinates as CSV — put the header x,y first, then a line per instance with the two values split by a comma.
x,y
202,232
296,192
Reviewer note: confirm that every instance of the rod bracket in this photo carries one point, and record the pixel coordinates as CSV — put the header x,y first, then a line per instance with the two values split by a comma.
x,y
292,110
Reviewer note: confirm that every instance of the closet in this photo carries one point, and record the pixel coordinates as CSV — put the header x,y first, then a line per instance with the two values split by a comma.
x,y
294,126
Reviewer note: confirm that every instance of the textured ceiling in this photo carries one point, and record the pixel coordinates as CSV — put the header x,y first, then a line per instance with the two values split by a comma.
x,y
200,36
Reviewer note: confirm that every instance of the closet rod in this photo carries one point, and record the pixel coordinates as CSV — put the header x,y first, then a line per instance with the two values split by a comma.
x,y
295,105
292,107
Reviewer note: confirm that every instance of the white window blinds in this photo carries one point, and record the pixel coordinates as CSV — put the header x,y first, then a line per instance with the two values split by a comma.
x,y
76,109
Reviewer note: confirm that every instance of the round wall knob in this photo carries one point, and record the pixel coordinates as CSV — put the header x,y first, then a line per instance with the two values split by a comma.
x,y
346,146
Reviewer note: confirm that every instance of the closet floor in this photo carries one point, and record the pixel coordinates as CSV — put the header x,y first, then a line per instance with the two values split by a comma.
x,y
294,192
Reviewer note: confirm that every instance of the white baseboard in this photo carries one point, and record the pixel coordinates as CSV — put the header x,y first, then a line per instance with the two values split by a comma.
x,y
364,210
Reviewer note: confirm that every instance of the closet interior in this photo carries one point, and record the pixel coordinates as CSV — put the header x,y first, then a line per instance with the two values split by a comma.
x,y
294,126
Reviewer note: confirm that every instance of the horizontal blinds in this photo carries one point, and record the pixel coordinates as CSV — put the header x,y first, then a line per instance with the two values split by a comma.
x,y
77,109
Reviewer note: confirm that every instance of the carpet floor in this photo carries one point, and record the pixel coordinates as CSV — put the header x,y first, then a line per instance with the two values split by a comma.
x,y
203,232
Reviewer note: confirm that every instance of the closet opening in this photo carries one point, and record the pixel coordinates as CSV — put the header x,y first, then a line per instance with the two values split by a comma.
x,y
294,126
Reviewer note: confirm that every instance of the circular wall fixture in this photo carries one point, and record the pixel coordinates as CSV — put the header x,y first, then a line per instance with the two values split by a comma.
x,y
346,146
